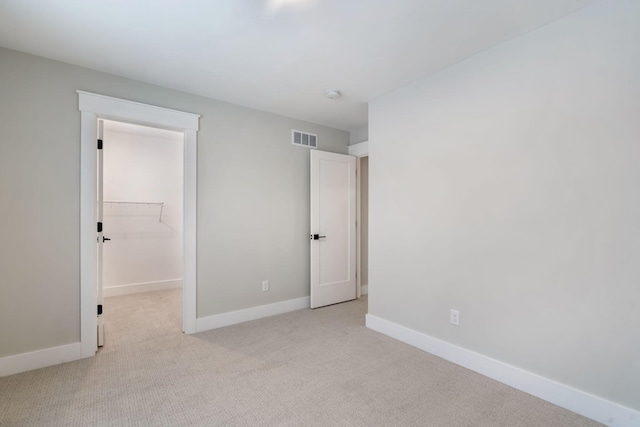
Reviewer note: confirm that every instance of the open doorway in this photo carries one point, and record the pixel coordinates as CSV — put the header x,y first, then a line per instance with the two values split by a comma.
x,y
92,108
142,200
361,151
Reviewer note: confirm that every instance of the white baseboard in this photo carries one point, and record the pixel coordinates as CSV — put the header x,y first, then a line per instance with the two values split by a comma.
x,y
364,290
134,288
253,313
590,406
40,359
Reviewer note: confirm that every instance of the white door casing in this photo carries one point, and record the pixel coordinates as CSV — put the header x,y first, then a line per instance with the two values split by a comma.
x,y
333,228
92,107
101,238
360,150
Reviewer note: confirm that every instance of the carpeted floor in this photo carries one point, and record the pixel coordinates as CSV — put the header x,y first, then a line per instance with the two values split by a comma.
x,y
306,368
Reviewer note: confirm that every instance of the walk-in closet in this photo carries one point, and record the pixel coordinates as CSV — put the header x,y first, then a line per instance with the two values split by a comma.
x,y
142,214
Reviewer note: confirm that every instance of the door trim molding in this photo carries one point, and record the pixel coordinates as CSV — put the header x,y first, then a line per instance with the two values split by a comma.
x,y
359,150
358,227
92,107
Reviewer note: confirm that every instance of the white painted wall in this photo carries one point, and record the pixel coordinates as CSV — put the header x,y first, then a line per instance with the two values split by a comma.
x,y
142,165
507,187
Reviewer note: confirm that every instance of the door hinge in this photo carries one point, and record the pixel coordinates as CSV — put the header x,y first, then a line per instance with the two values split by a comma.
x,y
99,227
99,144
99,309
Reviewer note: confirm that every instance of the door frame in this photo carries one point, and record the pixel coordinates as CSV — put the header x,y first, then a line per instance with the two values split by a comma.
x,y
359,150
93,107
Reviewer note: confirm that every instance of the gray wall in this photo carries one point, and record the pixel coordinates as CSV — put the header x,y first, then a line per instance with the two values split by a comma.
x,y
359,135
507,187
253,192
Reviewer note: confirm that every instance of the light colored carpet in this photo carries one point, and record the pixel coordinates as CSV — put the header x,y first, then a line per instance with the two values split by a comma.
x,y
306,368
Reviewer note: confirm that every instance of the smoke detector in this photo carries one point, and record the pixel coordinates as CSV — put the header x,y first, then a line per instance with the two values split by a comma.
x,y
332,94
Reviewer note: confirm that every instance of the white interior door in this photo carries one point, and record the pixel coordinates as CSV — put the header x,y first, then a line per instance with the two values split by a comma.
x,y
101,238
333,228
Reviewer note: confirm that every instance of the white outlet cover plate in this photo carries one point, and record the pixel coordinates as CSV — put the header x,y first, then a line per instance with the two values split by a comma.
x,y
455,317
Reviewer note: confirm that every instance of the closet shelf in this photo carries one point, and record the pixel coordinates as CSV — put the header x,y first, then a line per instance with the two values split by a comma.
x,y
136,205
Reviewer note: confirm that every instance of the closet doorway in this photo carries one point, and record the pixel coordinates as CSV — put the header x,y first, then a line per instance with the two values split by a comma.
x,y
94,107
142,215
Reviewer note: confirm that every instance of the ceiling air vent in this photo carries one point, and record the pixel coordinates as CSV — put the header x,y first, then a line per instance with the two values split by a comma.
x,y
304,139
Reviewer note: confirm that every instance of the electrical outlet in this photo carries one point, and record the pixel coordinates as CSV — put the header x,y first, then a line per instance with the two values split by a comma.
x,y
454,317
265,285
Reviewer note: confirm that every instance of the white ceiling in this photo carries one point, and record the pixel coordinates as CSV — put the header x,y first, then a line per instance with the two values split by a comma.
x,y
145,131
273,55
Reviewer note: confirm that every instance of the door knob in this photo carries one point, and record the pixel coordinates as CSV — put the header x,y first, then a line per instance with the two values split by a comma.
x,y
317,237
104,239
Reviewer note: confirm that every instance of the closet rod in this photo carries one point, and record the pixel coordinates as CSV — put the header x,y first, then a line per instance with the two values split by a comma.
x,y
119,202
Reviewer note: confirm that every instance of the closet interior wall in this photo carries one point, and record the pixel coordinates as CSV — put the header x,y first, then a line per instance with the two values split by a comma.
x,y
143,183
